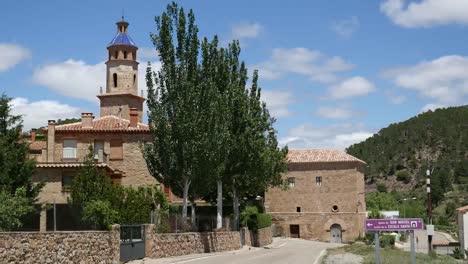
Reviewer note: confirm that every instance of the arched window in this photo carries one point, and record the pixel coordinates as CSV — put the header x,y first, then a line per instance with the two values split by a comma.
x,y
125,55
134,78
116,55
115,79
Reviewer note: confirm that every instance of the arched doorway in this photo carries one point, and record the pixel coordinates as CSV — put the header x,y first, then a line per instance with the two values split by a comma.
x,y
335,233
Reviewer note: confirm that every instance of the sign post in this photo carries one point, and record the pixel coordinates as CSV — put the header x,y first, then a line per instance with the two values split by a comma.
x,y
402,224
413,253
377,248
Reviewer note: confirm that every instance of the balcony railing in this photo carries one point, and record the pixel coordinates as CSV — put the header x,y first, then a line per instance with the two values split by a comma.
x,y
69,153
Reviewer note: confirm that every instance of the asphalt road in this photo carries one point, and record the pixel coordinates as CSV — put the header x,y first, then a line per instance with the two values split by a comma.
x,y
421,242
282,251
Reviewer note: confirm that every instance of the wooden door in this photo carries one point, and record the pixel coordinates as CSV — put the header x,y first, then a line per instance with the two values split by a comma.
x,y
294,230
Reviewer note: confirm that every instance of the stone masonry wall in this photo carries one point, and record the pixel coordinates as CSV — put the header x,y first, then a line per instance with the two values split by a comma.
x,y
263,237
167,245
60,247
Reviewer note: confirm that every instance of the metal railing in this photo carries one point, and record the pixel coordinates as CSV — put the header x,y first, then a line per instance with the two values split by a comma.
x,y
69,153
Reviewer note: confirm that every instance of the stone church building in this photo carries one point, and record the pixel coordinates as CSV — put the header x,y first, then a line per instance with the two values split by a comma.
x,y
116,133
325,199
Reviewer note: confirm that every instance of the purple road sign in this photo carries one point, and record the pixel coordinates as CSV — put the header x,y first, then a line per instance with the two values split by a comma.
x,y
401,224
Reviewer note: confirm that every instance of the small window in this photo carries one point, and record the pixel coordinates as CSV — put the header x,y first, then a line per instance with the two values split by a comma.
x,y
116,149
291,182
318,180
116,55
134,78
69,149
98,145
115,79
67,179
125,54
298,209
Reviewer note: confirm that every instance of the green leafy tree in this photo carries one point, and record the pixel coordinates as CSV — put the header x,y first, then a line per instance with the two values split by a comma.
x,y
13,207
16,168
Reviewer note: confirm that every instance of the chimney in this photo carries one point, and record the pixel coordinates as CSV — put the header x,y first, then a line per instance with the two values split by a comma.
x,y
133,117
50,140
33,135
87,120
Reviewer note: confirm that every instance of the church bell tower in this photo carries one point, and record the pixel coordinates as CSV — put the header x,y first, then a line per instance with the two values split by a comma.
x,y
121,93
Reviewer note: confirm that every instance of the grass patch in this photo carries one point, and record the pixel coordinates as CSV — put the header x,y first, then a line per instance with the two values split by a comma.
x,y
390,256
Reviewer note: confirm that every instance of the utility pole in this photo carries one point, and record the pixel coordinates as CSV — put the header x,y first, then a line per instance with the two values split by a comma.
x,y
429,210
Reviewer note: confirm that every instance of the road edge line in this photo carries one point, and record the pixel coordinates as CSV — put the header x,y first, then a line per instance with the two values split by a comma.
x,y
320,256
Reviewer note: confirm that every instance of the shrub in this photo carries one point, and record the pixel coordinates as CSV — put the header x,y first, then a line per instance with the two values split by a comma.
x,y
100,214
381,187
247,215
254,220
403,175
387,241
458,254
263,220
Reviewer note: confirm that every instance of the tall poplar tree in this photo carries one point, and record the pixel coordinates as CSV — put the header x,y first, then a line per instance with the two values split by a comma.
x,y
175,111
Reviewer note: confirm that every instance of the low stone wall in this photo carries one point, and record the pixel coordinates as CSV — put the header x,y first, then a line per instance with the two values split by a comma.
x,y
167,245
60,247
263,237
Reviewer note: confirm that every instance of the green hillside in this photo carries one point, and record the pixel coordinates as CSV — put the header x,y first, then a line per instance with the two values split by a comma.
x,y
398,156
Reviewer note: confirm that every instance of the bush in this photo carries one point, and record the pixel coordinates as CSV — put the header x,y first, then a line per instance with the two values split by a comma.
x,y
263,220
387,241
100,214
381,187
254,220
458,254
403,175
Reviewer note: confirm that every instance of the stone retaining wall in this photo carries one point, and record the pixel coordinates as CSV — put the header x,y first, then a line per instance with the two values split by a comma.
x,y
60,247
167,245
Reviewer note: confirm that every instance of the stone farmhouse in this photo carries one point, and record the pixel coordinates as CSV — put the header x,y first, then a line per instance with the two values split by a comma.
x,y
325,200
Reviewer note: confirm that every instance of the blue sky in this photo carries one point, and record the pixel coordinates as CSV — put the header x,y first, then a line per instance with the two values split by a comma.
x,y
333,72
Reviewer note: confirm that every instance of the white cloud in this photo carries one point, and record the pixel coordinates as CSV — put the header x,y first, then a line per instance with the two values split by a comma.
x,y
444,79
352,87
310,63
246,30
426,13
35,114
431,107
330,137
11,55
278,102
73,78
337,112
345,28
76,78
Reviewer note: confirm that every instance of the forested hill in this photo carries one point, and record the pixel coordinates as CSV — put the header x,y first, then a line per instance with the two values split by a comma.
x,y
402,151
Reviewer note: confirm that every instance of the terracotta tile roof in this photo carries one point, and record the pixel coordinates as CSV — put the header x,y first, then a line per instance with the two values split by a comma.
x,y
463,209
104,124
74,165
320,155
38,145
